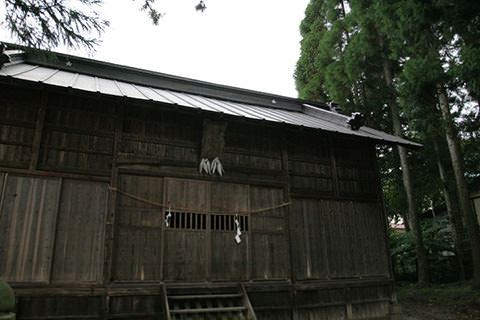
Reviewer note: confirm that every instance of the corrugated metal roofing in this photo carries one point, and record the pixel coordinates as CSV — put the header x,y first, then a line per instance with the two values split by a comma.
x,y
309,116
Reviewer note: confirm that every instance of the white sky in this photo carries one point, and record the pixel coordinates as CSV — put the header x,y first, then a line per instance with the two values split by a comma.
x,y
248,44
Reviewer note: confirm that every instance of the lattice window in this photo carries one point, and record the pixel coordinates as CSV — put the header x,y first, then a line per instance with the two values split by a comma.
x,y
224,222
186,220
198,221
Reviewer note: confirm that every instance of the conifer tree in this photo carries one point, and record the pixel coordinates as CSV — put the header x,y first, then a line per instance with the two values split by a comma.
x,y
353,68
46,24
425,33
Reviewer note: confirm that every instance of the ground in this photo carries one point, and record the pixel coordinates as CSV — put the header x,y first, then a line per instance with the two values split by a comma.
x,y
454,301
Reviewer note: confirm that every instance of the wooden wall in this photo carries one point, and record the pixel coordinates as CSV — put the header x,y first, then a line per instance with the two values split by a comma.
x,y
61,227
52,229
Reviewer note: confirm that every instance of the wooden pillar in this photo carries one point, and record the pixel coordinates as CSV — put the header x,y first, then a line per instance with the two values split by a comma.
x,y
249,239
163,236
381,203
110,221
288,211
289,221
333,162
37,138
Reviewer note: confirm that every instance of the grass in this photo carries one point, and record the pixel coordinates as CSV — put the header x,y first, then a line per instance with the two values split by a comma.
x,y
454,298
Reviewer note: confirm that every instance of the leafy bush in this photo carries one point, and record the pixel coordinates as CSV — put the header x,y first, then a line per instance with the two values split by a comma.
x,y
439,243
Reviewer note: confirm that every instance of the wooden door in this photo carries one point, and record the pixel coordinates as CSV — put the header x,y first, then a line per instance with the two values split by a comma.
x,y
229,259
200,240
187,243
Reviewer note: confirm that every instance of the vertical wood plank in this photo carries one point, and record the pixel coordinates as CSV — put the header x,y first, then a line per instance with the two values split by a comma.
x,y
323,230
3,247
306,214
2,194
55,224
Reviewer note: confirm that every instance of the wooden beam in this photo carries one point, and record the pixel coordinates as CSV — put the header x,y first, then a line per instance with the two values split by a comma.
x,y
42,173
17,123
172,172
247,304
166,307
76,171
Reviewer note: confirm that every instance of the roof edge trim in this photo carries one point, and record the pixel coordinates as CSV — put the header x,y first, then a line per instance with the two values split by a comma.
x,y
155,79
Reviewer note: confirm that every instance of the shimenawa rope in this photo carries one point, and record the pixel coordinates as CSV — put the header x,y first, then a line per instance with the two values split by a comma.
x,y
158,204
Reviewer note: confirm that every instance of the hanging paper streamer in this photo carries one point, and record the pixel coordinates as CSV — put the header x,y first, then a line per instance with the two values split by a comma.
x,y
238,230
167,218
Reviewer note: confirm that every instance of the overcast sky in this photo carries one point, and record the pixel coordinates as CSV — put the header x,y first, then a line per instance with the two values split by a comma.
x,y
248,44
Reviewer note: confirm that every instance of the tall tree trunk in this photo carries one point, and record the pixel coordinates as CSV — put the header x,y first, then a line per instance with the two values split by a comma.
x,y
462,188
423,275
455,219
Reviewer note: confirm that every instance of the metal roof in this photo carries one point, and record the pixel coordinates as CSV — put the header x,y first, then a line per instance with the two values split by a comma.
x,y
297,112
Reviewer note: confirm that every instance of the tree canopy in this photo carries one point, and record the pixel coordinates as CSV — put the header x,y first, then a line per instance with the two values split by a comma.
x,y
76,24
412,68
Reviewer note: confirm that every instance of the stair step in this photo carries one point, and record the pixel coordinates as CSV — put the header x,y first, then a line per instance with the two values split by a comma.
x,y
206,296
208,310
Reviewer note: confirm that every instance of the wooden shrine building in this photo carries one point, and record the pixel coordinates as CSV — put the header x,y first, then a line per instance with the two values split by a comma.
x,y
131,194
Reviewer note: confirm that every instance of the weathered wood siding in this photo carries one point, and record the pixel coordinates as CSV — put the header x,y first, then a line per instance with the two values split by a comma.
x,y
252,149
17,127
339,239
103,254
27,227
271,258
310,165
77,136
357,174
78,255
52,229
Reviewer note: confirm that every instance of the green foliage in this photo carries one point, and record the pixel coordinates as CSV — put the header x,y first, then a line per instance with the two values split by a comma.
x,y
428,46
49,23
46,24
7,298
438,241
